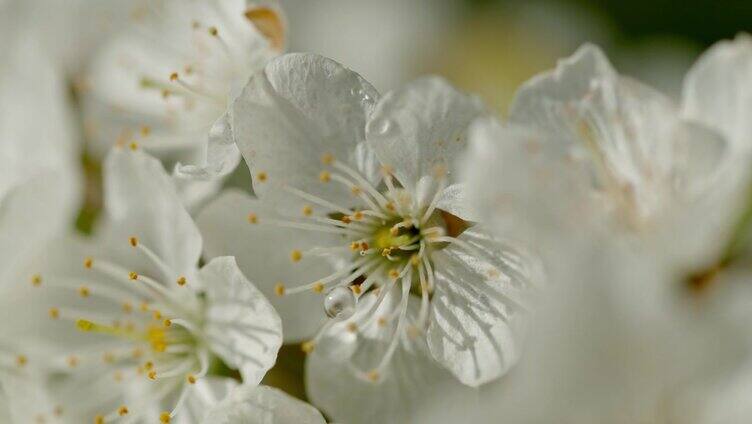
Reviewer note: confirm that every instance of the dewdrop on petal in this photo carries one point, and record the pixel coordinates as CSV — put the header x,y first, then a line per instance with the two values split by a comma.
x,y
339,303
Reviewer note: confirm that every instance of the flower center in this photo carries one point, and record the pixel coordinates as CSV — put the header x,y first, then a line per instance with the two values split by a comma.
x,y
151,330
389,237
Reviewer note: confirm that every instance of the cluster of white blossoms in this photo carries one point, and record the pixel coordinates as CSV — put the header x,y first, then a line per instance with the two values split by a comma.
x,y
585,260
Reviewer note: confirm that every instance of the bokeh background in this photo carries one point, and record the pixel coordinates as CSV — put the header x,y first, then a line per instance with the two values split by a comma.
x,y
491,46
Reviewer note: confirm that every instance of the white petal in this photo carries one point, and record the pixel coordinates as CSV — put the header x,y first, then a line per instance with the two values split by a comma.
x,y
263,252
241,325
453,199
718,90
206,394
477,306
263,405
573,78
413,380
222,154
141,201
302,107
421,128
27,220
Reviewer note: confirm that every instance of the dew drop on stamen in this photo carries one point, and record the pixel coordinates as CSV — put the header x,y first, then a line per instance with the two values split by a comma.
x,y
339,303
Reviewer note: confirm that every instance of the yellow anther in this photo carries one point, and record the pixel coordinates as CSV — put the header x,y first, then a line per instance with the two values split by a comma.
x,y
318,287
164,418
415,260
355,190
325,176
354,246
54,313
373,375
308,346
88,263
36,280
381,321
390,206
394,230
144,307
279,289
21,360
83,291
133,241
191,379
307,210
152,375
133,275
213,31
252,218
166,93
123,410
137,353
133,146
181,281
167,323
127,307
86,325
346,219
261,177
145,131
327,159
357,215
72,361
355,288
174,76
352,327
157,315
149,365
296,255
99,419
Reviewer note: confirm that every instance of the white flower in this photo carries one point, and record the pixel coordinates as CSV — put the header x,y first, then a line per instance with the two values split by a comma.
x,y
39,193
167,81
37,150
589,156
613,343
586,149
139,323
249,404
368,184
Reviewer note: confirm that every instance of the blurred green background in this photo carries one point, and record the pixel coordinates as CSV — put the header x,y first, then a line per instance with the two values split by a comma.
x,y
491,46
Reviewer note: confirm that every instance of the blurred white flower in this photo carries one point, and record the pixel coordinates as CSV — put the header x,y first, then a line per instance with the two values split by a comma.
x,y
37,150
613,343
368,184
70,31
149,320
250,404
39,191
167,81
587,149
637,204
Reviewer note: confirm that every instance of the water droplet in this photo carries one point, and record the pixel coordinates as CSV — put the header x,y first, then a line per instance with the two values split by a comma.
x,y
385,127
339,303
